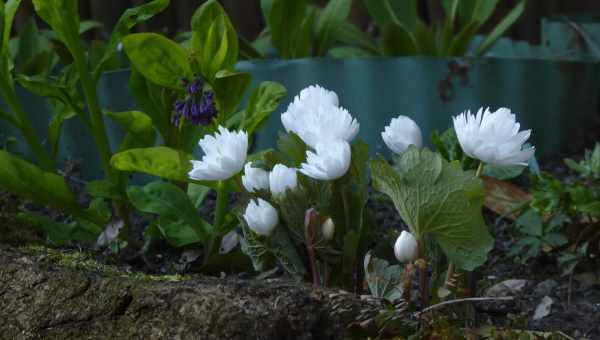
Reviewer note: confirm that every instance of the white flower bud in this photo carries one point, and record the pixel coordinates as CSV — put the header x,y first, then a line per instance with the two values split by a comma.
x,y
282,178
406,248
261,217
328,229
401,133
255,179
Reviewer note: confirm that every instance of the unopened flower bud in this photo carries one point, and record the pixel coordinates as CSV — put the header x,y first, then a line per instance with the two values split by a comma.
x,y
328,229
406,247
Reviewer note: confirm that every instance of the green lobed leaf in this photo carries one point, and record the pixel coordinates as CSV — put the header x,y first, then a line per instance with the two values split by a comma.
x,y
158,58
214,39
384,280
129,18
264,100
292,147
159,161
438,198
197,193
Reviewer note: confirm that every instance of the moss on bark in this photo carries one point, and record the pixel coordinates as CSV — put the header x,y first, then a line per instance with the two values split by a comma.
x,y
45,297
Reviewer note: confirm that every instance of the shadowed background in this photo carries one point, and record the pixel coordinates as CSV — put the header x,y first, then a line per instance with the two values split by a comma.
x,y
248,20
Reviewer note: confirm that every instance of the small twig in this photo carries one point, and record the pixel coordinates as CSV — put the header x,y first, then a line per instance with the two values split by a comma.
x,y
476,299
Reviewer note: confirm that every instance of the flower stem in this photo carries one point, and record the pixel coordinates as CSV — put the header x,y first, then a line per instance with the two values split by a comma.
x,y
479,171
423,275
220,211
311,223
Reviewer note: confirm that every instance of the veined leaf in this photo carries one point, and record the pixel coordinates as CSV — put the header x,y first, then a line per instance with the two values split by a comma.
x,y
214,39
128,19
170,203
27,180
264,100
159,161
138,125
438,198
159,59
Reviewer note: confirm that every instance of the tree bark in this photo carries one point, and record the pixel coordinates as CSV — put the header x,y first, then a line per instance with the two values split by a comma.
x,y
42,298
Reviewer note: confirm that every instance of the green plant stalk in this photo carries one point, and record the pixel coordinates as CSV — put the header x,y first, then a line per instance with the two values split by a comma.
x,y
97,120
451,266
9,94
100,136
423,274
220,212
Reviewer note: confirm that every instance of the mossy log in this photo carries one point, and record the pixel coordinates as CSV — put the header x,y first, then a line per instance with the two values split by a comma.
x,y
43,297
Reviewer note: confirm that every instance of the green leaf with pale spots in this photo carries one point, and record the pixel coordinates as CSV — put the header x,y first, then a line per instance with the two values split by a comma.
x,y
437,198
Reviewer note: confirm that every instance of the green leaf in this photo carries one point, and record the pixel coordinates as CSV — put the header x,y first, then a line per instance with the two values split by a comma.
x,y
138,125
8,15
150,98
178,233
384,280
33,55
197,193
398,12
229,87
103,189
159,161
285,21
592,208
397,41
214,39
438,198
329,22
63,17
264,100
501,28
159,59
503,172
57,232
255,248
61,114
27,180
530,223
461,41
128,19
350,34
292,147
170,203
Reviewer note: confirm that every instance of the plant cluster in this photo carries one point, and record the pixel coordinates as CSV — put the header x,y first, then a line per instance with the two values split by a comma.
x,y
302,206
298,29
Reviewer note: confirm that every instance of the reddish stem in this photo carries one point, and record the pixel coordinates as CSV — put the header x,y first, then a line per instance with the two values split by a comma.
x,y
311,223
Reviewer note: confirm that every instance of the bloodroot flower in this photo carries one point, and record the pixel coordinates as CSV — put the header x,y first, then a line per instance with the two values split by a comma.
x,y
261,217
331,160
281,179
406,248
255,179
401,133
198,107
493,137
224,155
315,117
